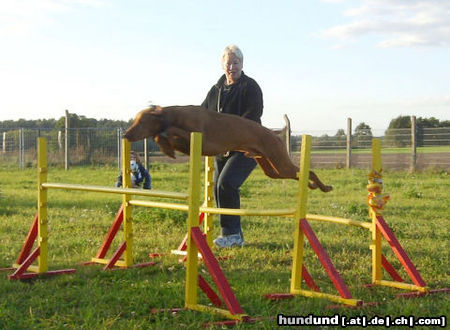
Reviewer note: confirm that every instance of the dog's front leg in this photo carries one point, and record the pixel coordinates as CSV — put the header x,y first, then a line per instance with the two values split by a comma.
x,y
179,139
165,144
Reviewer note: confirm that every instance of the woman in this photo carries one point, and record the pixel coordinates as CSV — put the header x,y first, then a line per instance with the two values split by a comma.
x,y
237,94
138,173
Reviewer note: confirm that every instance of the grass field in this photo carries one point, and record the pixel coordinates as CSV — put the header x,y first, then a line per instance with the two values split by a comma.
x,y
418,213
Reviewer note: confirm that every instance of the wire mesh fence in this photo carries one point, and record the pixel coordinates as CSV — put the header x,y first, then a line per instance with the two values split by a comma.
x,y
77,146
426,148
101,147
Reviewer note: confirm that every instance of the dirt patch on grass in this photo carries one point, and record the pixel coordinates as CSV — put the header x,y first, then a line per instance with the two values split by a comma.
x,y
399,161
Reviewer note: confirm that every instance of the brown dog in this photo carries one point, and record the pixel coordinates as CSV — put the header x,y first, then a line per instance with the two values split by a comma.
x,y
171,128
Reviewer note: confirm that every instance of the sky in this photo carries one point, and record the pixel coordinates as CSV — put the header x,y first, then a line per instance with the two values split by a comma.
x,y
317,61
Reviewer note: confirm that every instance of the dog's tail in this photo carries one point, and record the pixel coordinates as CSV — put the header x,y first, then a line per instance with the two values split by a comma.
x,y
279,131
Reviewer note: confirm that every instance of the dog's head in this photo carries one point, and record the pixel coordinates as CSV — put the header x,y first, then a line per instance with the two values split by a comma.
x,y
147,123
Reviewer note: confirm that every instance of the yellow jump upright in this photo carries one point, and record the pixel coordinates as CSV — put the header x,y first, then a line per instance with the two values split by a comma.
x,y
127,220
209,199
375,232
297,262
192,219
42,206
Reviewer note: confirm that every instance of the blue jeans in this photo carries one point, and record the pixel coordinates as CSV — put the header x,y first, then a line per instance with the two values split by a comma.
x,y
229,175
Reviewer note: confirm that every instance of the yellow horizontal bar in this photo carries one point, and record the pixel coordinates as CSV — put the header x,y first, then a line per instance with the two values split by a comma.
x,y
183,196
119,263
216,311
212,210
341,221
276,212
31,268
116,190
162,205
404,286
314,294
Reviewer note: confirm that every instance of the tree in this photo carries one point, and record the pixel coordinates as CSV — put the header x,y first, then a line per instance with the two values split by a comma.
x,y
363,135
398,132
340,133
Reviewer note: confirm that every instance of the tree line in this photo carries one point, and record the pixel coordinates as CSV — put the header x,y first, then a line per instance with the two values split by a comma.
x,y
396,135
76,121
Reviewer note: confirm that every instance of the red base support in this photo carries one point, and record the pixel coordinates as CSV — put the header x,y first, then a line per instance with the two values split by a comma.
x,y
325,260
27,257
309,280
279,296
216,273
388,267
116,256
408,295
399,252
29,241
25,264
111,234
20,274
206,288
26,276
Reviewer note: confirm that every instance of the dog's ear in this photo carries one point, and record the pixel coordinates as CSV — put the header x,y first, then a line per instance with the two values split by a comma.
x,y
151,117
154,107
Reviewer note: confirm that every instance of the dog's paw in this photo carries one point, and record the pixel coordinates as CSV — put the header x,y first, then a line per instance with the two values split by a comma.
x,y
327,189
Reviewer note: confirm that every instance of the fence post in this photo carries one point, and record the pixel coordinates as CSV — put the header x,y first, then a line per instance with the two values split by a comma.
x,y
146,153
119,139
66,150
349,143
22,131
4,142
21,150
60,140
413,144
288,134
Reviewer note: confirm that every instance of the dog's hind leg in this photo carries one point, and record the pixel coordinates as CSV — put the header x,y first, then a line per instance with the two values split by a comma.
x,y
267,168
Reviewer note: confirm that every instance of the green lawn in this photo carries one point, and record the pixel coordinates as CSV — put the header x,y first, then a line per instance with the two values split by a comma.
x,y
418,213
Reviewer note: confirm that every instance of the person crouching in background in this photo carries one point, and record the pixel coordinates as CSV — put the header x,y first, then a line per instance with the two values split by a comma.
x,y
138,173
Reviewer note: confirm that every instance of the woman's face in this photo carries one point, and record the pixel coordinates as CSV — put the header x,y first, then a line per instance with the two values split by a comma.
x,y
233,68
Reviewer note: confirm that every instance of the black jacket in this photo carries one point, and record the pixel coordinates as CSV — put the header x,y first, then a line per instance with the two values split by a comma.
x,y
243,98
140,175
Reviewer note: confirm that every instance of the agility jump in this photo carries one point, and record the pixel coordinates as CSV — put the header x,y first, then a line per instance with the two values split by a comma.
x,y
378,228
197,242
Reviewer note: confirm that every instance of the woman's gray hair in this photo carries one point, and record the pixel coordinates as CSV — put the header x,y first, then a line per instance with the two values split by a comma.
x,y
233,49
